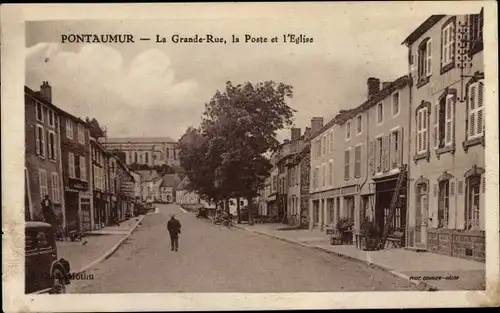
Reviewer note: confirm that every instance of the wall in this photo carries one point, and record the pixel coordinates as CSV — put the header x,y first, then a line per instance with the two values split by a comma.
x,y
457,161
34,162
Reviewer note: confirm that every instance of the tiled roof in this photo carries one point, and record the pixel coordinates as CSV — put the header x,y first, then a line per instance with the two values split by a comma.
x,y
420,30
170,180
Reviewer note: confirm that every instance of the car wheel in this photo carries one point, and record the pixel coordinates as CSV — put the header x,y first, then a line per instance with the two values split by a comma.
x,y
58,282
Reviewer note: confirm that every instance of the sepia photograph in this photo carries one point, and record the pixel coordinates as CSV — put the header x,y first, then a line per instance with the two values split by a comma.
x,y
344,154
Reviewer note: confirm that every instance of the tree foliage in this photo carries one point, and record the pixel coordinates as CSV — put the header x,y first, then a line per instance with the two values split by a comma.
x,y
224,157
96,131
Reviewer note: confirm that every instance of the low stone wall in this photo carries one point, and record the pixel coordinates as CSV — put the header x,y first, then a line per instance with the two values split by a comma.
x,y
463,244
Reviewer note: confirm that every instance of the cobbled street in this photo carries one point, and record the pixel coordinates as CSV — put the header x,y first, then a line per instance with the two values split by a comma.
x,y
214,258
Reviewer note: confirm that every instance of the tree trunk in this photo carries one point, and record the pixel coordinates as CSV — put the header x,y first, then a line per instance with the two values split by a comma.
x,y
250,210
238,212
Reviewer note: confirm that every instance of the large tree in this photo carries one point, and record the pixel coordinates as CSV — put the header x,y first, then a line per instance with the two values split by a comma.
x,y
243,122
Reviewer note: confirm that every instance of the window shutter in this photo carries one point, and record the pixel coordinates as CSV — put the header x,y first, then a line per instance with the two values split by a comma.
x,y
449,118
472,110
387,164
428,59
460,190
480,121
435,191
451,43
371,155
452,188
435,127
444,41
37,139
42,144
54,145
400,147
483,183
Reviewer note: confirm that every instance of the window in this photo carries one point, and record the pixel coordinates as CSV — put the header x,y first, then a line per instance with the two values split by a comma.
x,y
323,176
395,149
472,217
380,113
357,162
42,182
348,130
347,164
359,124
316,177
395,104
447,40
476,32
71,165
39,111
318,148
422,130
135,157
51,140
330,172
475,110
69,128
444,122
425,59
83,169
331,142
52,119
81,134
323,145
443,203
54,180
379,151
40,141
146,157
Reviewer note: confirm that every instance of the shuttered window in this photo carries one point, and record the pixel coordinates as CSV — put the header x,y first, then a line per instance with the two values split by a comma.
x,y
476,110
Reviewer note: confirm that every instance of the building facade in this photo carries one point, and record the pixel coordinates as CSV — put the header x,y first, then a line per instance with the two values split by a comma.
x,y
75,145
150,151
102,204
356,158
447,189
124,189
43,165
168,187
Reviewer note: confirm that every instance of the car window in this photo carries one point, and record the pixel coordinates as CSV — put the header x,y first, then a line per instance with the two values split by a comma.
x,y
39,239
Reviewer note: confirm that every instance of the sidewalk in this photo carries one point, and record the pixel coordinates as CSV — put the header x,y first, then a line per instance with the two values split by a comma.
x,y
92,249
399,262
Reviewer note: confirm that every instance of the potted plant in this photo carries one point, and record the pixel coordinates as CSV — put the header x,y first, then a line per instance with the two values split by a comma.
x,y
344,226
370,232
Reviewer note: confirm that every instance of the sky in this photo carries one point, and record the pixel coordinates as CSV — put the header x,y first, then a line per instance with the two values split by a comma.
x,y
152,89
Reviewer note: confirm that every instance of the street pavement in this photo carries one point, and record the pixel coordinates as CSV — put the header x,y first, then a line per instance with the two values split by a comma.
x,y
214,258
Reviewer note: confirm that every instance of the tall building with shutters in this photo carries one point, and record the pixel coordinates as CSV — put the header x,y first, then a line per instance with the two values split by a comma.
x,y
43,162
447,187
356,158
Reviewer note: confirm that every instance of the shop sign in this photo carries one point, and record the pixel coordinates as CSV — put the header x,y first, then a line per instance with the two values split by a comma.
x,y
76,184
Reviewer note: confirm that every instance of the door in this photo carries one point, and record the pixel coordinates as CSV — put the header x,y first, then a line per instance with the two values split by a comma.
x,y
85,209
316,213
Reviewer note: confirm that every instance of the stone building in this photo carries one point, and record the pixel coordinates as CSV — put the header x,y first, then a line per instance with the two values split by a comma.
x,y
150,151
43,165
447,188
103,203
355,158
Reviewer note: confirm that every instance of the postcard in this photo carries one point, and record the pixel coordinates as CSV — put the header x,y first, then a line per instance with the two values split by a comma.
x,y
248,156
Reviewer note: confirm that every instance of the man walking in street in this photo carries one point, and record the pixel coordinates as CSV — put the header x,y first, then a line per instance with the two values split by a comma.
x,y
174,228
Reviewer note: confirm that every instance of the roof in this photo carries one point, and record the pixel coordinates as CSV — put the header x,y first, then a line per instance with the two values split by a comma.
x,y
139,140
148,175
345,115
170,180
183,184
420,30
36,95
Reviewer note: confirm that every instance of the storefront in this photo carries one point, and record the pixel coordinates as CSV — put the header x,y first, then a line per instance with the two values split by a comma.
x,y
77,206
384,189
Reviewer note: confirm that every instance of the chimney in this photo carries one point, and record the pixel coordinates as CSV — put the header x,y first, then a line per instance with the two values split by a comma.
x,y
316,124
373,86
295,133
307,132
385,84
46,91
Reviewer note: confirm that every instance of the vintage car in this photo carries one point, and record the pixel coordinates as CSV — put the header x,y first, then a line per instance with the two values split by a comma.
x,y
44,272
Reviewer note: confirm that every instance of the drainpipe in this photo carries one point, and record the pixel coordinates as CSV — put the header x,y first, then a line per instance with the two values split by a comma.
x,y
368,149
408,151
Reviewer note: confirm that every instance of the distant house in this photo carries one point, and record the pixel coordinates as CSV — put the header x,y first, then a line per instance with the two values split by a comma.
x,y
184,196
168,187
150,185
